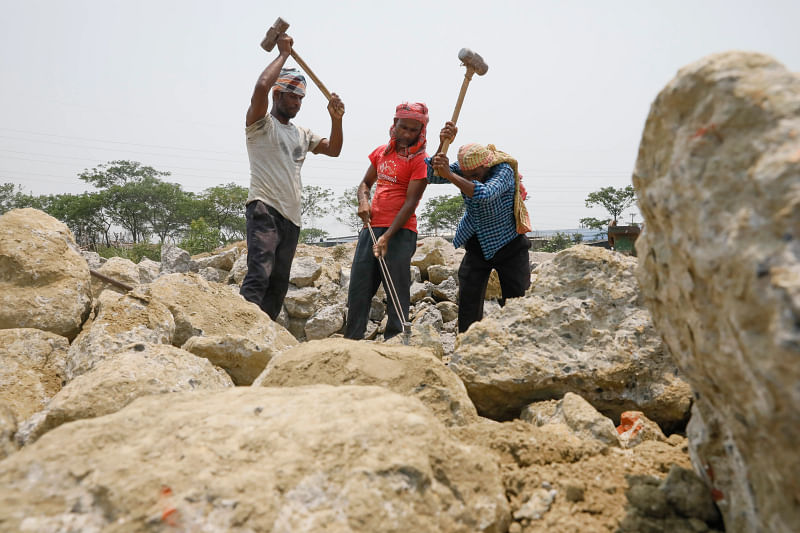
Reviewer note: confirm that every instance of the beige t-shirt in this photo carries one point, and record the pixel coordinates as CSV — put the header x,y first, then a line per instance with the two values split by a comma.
x,y
277,152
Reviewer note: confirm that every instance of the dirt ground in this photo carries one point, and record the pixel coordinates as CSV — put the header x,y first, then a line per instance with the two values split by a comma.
x,y
558,483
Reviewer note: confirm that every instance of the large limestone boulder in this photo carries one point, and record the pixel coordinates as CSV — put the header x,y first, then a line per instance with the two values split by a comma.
x,y
141,370
44,281
119,269
304,272
581,328
302,459
206,308
222,259
175,260
432,251
717,180
32,369
236,334
402,369
120,321
325,322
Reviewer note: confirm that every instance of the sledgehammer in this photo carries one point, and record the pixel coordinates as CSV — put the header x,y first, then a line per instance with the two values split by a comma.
x,y
280,26
475,65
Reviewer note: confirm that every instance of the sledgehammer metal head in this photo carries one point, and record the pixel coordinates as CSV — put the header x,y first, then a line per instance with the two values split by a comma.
x,y
279,27
471,60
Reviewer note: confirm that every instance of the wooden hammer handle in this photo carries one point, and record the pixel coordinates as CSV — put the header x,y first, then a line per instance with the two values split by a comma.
x,y
467,78
311,75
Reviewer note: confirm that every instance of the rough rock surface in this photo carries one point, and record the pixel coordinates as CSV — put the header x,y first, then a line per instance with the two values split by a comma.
x,y
32,369
679,503
581,328
717,184
406,370
240,356
8,428
120,321
44,280
588,477
119,269
208,309
141,370
432,251
577,414
295,460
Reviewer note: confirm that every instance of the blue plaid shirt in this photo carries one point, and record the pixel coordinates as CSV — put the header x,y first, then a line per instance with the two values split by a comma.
x,y
489,214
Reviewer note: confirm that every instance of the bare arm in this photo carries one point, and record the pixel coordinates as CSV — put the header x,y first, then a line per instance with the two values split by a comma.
x,y
332,146
413,196
259,102
364,207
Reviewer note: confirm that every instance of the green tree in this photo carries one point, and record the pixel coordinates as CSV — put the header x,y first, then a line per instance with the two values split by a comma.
x,y
614,200
168,209
312,235
557,242
84,216
346,210
223,209
595,223
442,213
129,189
314,203
200,238
12,197
8,196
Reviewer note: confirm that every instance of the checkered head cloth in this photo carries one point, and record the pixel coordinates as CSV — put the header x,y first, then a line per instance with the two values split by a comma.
x,y
291,81
474,155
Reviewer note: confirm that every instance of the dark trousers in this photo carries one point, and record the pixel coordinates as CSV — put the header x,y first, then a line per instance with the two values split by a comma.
x,y
365,276
271,244
513,268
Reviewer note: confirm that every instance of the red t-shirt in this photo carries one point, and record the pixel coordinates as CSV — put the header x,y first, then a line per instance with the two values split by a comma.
x,y
394,175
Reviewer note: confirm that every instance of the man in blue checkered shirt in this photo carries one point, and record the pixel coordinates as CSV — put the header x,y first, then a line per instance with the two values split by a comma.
x,y
488,229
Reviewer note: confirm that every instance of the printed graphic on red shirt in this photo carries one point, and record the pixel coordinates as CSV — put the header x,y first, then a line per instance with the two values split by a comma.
x,y
394,175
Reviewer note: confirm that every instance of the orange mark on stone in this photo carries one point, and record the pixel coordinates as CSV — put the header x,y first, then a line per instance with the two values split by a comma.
x,y
717,495
165,491
627,421
169,516
711,128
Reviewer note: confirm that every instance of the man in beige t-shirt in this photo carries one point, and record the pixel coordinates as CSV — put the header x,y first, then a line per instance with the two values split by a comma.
x,y
277,149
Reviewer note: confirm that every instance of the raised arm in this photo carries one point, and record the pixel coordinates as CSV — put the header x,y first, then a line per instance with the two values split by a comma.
x,y
332,146
413,196
259,102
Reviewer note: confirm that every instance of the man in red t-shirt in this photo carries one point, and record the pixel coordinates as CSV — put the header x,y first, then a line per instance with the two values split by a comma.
x,y
400,172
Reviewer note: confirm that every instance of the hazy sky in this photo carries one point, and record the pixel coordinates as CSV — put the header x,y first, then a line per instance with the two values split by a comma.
x,y
168,82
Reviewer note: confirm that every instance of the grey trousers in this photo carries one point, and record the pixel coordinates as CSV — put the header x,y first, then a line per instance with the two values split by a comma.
x,y
365,276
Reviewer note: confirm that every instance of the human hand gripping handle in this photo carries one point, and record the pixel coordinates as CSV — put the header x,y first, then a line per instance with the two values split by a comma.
x,y
285,43
335,106
441,164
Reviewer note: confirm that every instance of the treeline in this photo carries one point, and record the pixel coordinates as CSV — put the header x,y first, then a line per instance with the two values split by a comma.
x,y
134,203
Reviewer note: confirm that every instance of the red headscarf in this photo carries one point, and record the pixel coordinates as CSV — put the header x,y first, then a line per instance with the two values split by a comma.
x,y
416,111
